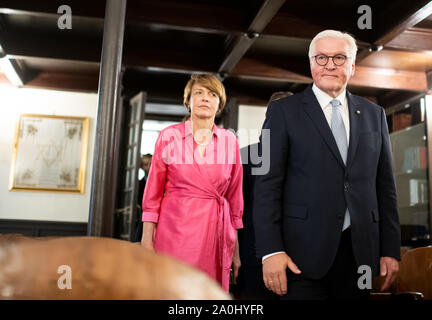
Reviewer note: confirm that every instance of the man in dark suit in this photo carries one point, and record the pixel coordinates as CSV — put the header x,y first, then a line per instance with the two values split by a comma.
x,y
250,280
328,203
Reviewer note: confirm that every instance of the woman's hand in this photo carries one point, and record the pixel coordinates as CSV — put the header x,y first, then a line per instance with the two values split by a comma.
x,y
236,263
148,235
147,245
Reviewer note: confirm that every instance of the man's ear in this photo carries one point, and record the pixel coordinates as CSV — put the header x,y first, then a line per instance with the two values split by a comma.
x,y
352,70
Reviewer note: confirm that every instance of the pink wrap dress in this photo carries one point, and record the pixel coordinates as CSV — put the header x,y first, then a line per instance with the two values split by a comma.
x,y
196,201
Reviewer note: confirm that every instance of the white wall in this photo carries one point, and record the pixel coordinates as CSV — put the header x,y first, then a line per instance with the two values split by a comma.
x,y
250,119
48,206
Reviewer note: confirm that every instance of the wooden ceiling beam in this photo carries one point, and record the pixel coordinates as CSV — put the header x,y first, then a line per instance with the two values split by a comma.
x,y
265,15
236,49
40,46
254,68
240,44
137,58
169,60
414,39
156,14
143,60
389,79
199,17
363,77
63,48
398,18
48,8
287,25
64,81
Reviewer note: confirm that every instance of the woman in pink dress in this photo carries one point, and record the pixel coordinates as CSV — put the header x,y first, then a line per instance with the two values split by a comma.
x,y
193,202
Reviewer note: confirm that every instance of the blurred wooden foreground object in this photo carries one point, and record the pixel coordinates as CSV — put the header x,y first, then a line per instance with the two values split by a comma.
x,y
415,272
415,275
101,268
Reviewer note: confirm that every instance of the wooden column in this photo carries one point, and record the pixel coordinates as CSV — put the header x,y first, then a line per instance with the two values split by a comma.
x,y
428,111
102,201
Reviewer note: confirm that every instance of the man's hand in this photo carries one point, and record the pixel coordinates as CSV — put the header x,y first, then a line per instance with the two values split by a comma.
x,y
274,272
389,268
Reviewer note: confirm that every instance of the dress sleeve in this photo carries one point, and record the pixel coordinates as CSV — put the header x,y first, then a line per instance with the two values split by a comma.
x,y
155,185
234,193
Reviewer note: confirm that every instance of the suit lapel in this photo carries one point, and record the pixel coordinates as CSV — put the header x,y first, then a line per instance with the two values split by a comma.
x,y
314,111
355,116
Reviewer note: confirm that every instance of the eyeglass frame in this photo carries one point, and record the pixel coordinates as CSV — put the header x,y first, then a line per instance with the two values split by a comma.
x,y
328,58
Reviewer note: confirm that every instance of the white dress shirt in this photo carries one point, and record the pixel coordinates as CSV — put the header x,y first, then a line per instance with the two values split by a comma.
x,y
324,101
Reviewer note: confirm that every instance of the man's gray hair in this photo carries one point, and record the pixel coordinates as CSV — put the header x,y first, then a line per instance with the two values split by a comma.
x,y
334,34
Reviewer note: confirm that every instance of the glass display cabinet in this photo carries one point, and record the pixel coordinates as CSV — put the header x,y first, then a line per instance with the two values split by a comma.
x,y
409,141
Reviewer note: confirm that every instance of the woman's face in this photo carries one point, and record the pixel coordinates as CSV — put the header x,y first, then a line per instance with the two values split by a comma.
x,y
203,102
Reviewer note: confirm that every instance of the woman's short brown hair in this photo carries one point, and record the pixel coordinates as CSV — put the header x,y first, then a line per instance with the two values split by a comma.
x,y
209,82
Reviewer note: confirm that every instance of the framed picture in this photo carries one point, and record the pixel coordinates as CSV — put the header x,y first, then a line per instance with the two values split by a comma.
x,y
49,154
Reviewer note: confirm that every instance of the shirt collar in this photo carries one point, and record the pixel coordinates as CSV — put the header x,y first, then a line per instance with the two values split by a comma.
x,y
324,99
188,129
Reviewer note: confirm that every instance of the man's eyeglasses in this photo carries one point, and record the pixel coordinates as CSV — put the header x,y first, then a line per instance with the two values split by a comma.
x,y
322,59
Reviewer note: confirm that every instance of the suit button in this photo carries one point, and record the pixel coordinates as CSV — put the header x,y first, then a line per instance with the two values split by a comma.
x,y
346,186
340,216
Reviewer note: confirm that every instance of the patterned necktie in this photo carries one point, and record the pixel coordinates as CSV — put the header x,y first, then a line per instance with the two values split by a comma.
x,y
338,129
339,133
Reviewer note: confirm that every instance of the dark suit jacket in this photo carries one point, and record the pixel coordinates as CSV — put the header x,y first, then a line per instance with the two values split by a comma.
x,y
299,205
246,235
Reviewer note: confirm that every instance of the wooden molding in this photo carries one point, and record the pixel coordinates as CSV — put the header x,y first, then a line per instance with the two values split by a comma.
x,y
364,76
414,39
389,79
260,69
64,81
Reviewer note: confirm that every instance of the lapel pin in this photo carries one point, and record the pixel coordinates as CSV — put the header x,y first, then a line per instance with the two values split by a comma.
x,y
358,111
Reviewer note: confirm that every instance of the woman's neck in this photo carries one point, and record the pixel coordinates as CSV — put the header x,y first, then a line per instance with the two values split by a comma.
x,y
201,124
202,129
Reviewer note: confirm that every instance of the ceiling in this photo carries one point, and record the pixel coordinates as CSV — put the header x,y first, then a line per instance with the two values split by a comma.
x,y
256,46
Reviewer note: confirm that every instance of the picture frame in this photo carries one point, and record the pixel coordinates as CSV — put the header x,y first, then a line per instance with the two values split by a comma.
x,y
49,154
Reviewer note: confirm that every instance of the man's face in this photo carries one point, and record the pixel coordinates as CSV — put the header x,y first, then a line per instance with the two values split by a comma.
x,y
331,78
